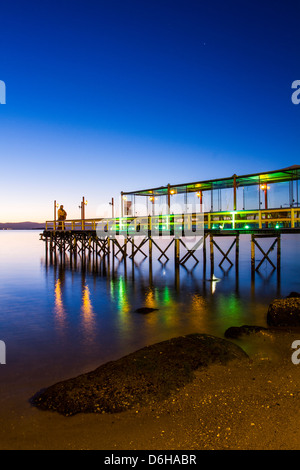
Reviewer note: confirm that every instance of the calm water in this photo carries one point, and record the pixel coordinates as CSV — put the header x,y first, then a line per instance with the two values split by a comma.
x,y
59,320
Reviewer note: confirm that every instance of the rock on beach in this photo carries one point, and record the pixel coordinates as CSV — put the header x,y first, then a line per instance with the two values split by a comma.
x,y
146,376
284,312
235,332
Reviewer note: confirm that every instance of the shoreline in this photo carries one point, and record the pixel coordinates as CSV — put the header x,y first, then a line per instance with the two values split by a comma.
x,y
252,405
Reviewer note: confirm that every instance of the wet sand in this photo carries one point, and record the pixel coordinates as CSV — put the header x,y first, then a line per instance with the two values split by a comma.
x,y
244,405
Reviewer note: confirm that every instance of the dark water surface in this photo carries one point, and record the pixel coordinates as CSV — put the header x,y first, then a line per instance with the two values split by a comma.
x,y
59,320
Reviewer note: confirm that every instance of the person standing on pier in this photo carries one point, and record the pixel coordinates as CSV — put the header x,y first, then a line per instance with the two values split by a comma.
x,y
62,215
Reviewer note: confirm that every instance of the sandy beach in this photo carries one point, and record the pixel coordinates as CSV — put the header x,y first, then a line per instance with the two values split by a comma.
x,y
243,405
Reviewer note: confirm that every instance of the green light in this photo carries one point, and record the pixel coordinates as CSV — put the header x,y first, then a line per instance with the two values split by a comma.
x,y
246,226
166,296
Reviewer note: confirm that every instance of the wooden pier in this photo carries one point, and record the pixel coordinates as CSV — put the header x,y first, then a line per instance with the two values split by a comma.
x,y
186,235
124,246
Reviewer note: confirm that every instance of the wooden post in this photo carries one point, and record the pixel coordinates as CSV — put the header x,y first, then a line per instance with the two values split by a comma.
x,y
177,277
234,192
46,249
211,245
204,255
122,208
204,248
265,189
54,227
259,219
169,199
237,253
252,255
177,259
278,252
150,261
177,251
108,253
125,247
150,249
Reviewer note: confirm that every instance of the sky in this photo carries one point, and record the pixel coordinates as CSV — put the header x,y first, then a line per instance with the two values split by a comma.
x,y
105,96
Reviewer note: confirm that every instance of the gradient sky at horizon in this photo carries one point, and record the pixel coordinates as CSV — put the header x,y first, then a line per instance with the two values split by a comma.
x,y
123,95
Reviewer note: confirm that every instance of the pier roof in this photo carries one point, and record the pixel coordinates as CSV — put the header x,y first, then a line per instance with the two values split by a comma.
x,y
275,176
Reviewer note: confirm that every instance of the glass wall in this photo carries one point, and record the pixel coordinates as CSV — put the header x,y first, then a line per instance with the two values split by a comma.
x,y
252,193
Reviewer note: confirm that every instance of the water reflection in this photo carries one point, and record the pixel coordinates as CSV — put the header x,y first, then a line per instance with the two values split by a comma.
x,y
88,315
146,275
189,298
59,309
63,315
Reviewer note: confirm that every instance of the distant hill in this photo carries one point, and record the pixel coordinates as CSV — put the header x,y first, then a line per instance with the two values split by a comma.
x,y
21,226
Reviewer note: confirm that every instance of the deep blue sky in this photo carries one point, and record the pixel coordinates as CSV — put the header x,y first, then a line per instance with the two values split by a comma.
x,y
104,96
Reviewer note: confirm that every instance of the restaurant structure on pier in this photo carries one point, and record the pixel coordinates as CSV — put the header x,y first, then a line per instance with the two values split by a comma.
x,y
264,205
270,190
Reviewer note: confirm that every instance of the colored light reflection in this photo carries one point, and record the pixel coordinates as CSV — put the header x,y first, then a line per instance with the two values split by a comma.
x,y
123,304
88,316
59,310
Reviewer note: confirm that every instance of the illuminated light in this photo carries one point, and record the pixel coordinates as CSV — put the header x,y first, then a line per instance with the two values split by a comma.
x,y
125,198
198,194
214,281
59,307
277,226
172,191
246,226
88,316
166,296
86,303
123,304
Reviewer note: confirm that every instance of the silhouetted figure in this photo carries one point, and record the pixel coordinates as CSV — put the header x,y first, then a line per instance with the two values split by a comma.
x,y
62,215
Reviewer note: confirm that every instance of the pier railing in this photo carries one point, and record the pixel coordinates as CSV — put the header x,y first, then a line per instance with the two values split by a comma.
x,y
160,224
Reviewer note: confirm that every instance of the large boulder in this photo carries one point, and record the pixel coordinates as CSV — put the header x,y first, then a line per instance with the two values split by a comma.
x,y
235,332
293,294
145,376
284,312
